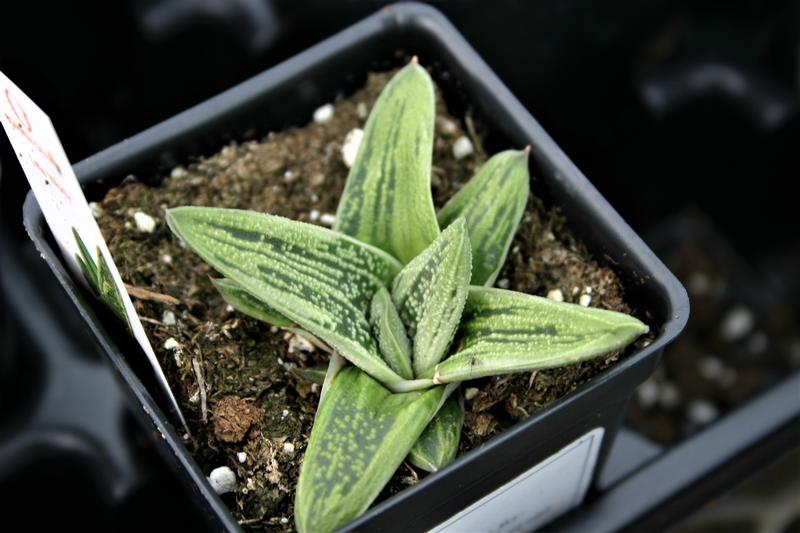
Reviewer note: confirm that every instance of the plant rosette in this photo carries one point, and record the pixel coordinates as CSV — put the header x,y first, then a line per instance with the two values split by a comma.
x,y
403,295
388,289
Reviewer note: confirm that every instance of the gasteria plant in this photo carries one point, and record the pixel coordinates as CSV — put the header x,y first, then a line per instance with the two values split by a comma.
x,y
388,289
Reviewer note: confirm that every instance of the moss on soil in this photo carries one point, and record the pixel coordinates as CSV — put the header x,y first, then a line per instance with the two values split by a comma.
x,y
243,364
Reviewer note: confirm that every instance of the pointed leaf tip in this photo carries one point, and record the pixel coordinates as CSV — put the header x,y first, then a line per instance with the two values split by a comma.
x,y
387,199
504,332
493,203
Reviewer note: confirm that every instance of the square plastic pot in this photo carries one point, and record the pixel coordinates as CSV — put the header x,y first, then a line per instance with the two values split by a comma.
x,y
286,95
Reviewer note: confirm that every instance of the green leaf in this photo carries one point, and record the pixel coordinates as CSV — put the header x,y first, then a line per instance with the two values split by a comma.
x,y
493,202
314,374
387,199
438,444
391,334
86,262
246,303
318,278
430,293
505,331
361,435
100,279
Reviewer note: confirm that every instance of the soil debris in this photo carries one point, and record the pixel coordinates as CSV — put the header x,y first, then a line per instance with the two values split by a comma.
x,y
233,416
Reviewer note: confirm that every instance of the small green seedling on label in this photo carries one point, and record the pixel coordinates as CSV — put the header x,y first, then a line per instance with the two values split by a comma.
x,y
388,289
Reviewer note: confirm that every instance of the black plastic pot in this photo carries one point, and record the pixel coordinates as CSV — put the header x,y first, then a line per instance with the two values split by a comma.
x,y
286,95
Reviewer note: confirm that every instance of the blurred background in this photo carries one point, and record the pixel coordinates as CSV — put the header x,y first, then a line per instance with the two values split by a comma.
x,y
685,115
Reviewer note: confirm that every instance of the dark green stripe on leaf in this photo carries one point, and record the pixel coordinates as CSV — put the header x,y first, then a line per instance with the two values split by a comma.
x,y
504,331
319,279
246,303
361,435
387,199
492,202
438,445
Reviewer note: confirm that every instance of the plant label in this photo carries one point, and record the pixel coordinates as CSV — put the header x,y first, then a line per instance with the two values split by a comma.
x,y
56,187
537,496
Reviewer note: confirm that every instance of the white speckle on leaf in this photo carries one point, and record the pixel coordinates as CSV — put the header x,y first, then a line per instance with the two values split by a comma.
x,y
736,324
669,396
178,172
462,147
288,447
503,283
323,113
556,295
350,146
168,318
585,300
361,110
166,259
242,457
222,480
648,393
171,344
96,210
313,215
702,412
144,222
470,393
327,219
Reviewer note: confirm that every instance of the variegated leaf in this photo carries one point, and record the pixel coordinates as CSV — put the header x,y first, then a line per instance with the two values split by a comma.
x,y
361,435
391,334
314,374
246,303
100,279
493,202
505,331
430,293
438,444
318,278
387,200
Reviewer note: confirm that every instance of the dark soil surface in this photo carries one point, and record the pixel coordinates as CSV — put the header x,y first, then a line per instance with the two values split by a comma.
x,y
236,378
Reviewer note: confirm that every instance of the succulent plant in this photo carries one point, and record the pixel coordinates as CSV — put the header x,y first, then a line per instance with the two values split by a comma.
x,y
403,298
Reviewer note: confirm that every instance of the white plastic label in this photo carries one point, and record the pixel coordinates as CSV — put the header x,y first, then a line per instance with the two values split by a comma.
x,y
535,497
64,206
